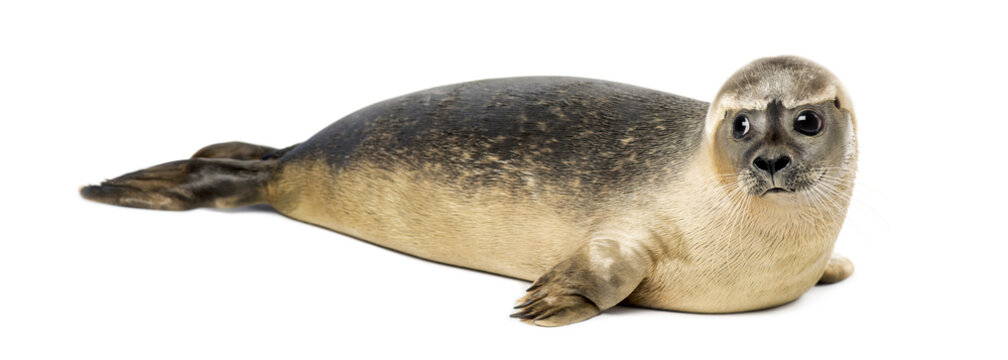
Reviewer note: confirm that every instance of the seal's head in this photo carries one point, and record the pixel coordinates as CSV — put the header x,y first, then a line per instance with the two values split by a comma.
x,y
781,126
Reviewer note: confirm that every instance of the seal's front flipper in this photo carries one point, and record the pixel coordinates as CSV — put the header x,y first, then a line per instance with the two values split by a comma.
x,y
595,278
234,150
838,269
188,184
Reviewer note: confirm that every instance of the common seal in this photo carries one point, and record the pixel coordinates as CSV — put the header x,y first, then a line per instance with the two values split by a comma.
x,y
600,192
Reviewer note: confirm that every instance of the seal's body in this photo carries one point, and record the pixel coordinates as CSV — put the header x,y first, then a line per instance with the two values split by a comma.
x,y
506,176
604,192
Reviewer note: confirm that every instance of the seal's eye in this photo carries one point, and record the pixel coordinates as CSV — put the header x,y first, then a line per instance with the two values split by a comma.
x,y
808,123
740,127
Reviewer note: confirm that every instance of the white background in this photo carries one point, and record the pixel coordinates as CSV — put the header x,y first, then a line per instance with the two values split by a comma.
x,y
92,89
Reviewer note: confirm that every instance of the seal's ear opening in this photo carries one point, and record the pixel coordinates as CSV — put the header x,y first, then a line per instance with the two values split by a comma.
x,y
836,102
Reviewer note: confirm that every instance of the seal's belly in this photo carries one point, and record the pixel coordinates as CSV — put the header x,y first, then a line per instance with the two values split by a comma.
x,y
489,230
726,278
522,231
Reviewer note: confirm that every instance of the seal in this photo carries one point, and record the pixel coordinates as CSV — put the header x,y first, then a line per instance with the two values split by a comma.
x,y
599,192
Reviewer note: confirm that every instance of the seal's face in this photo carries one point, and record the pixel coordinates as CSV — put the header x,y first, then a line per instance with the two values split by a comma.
x,y
781,127
777,150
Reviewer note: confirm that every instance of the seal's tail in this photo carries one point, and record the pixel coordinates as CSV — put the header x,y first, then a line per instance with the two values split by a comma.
x,y
222,175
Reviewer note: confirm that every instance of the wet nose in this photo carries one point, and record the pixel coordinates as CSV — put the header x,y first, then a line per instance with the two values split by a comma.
x,y
772,165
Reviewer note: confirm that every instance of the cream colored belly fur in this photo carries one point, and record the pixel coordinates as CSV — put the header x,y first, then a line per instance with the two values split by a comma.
x,y
705,259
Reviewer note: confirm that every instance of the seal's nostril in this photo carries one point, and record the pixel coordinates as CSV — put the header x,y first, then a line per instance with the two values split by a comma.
x,y
761,164
780,163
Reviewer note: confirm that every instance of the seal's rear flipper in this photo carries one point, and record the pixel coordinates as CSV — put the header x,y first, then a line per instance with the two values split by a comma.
x,y
188,184
241,151
234,150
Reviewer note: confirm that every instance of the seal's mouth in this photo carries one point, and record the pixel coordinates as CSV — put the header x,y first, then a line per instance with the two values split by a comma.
x,y
776,190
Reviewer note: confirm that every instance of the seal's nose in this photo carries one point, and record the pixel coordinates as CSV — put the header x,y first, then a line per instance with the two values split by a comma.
x,y
772,165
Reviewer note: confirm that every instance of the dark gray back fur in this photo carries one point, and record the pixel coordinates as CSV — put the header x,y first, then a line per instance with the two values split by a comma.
x,y
556,129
